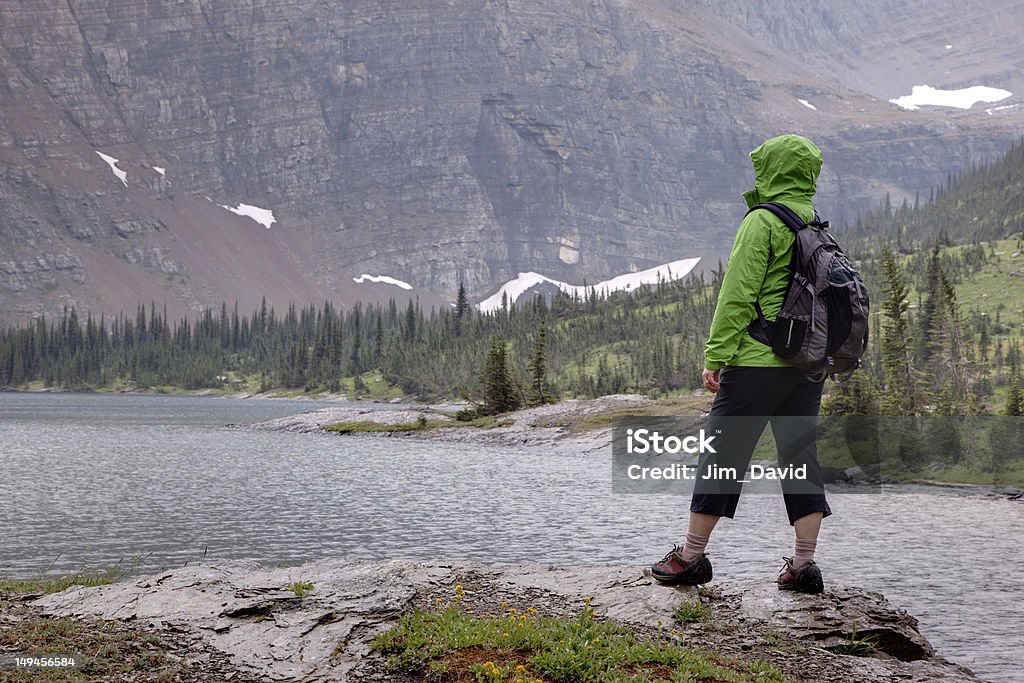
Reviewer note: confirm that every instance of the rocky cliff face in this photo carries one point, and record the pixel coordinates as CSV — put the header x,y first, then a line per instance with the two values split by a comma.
x,y
434,141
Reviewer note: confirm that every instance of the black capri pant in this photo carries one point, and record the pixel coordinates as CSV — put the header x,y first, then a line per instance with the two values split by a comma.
x,y
784,397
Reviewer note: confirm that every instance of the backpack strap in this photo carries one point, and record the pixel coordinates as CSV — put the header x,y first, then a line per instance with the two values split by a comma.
x,y
762,330
785,214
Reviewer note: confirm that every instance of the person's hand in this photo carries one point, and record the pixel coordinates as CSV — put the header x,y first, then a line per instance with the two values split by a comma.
x,y
710,378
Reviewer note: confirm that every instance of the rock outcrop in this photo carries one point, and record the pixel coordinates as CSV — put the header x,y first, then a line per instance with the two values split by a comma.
x,y
247,612
435,141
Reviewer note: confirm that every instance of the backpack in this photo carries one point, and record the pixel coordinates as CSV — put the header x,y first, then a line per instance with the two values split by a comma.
x,y
822,327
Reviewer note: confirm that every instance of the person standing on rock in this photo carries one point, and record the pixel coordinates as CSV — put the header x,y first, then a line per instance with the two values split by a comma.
x,y
752,383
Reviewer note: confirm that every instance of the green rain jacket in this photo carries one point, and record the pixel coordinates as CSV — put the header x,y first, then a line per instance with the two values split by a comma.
x,y
785,170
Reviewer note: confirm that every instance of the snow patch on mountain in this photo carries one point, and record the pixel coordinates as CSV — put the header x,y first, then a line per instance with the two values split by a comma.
x,y
381,278
161,170
965,98
807,104
513,289
264,217
999,108
112,163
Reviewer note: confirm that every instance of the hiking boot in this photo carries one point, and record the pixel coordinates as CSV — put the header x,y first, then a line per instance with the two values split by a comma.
x,y
674,570
807,579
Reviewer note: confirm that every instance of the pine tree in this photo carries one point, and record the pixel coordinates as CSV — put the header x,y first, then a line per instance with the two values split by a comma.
x,y
355,365
1007,431
378,340
461,308
1014,399
537,367
900,386
17,368
410,322
927,308
500,392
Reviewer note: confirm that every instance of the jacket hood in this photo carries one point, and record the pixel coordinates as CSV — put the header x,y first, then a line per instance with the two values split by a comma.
x,y
785,168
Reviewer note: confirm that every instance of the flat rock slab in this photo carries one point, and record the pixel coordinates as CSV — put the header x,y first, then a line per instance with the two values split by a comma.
x,y
247,611
831,618
620,593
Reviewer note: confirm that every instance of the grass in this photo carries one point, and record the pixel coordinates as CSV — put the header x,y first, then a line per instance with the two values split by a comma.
x,y
959,474
688,612
454,645
993,287
612,353
300,588
682,406
42,583
855,645
375,388
369,426
104,651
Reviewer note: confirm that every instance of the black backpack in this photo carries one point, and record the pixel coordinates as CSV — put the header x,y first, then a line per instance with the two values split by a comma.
x,y
823,324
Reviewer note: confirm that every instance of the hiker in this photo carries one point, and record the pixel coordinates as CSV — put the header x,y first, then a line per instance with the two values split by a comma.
x,y
751,382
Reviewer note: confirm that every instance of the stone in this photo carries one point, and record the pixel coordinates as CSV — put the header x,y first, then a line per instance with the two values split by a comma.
x,y
247,612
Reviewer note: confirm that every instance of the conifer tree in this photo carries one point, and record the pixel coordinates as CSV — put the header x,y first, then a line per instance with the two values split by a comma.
x,y
355,366
410,322
927,308
500,393
378,340
537,367
461,308
1014,399
900,386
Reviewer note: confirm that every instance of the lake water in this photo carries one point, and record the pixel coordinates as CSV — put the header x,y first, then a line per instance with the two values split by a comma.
x,y
91,479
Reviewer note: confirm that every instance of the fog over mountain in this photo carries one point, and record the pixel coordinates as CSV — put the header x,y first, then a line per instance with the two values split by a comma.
x,y
196,151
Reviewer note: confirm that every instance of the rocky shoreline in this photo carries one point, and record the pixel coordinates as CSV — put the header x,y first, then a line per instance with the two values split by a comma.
x,y
248,618
555,425
572,425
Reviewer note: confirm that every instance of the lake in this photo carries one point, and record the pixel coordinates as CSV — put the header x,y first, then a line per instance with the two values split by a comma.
x,y
160,481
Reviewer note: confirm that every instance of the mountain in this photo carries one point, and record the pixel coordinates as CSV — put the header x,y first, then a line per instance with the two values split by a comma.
x,y
985,203
432,141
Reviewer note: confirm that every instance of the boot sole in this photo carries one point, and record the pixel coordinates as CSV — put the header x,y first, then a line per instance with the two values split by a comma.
x,y
683,579
669,581
811,584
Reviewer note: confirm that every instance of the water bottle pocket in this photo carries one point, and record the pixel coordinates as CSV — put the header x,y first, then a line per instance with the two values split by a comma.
x,y
788,336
